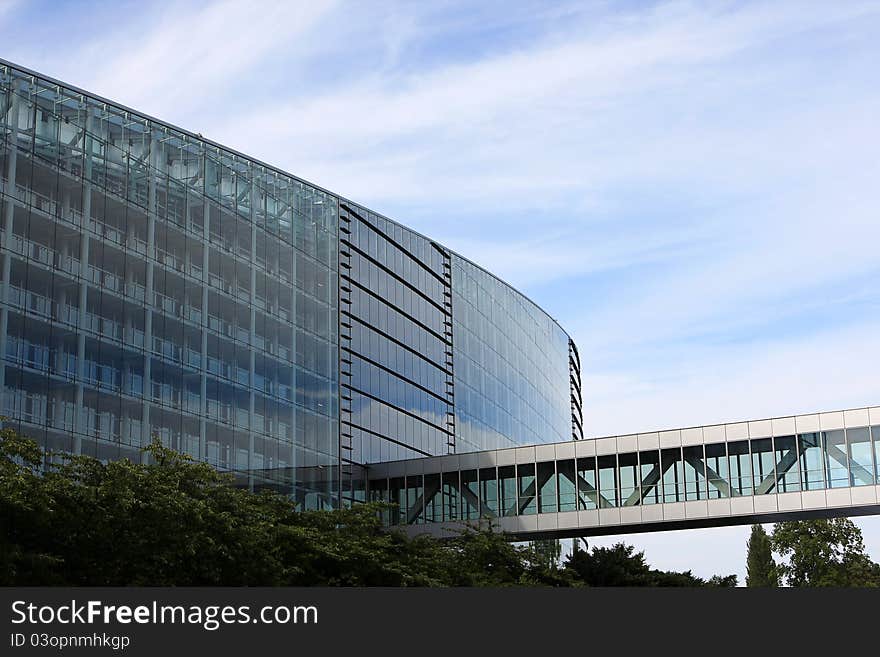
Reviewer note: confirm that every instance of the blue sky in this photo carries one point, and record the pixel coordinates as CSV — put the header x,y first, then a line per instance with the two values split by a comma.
x,y
689,188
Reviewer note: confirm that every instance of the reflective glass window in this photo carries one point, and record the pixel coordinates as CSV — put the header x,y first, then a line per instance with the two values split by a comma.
x,y
740,467
861,458
650,475
694,473
470,504
716,470
567,484
812,461
507,489
488,492
451,498
546,483
433,498
587,483
629,478
763,469
525,474
787,470
837,463
673,475
607,468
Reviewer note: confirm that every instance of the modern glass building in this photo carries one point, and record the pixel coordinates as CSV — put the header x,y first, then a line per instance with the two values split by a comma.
x,y
156,283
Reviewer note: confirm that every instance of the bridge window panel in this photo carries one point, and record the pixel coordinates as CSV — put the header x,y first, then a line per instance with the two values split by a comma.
x,y
397,496
875,439
507,489
470,500
451,497
433,498
716,470
567,485
629,478
379,493
488,492
650,489
694,473
588,485
740,468
812,461
836,461
525,488
763,469
673,475
861,459
607,468
547,502
788,478
415,501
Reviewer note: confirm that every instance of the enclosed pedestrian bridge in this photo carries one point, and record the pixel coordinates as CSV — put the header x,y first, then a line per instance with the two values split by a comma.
x,y
784,468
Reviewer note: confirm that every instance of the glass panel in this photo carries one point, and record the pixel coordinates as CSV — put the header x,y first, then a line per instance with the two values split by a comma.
x,y
415,503
433,498
488,493
789,478
451,503
694,473
526,488
836,462
547,487
379,493
507,488
649,467
762,466
470,504
629,483
812,461
565,474
607,480
673,475
740,468
861,462
588,495
397,490
716,470
875,438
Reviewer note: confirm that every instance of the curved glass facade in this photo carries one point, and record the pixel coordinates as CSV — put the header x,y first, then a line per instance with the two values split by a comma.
x,y
156,284
511,365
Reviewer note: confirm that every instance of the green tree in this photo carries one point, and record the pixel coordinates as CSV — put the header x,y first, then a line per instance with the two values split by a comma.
x,y
824,553
547,552
73,520
621,565
761,570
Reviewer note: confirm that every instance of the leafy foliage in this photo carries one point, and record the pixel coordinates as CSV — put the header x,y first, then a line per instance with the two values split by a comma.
x,y
761,570
824,553
73,520
621,565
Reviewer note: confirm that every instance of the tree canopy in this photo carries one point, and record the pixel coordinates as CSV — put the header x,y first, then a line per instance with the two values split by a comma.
x,y
74,520
761,570
824,553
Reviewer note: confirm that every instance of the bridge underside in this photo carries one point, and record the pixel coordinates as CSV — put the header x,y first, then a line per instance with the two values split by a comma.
x,y
530,532
807,466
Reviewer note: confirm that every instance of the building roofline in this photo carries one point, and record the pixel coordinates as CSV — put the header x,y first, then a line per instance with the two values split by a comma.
x,y
232,151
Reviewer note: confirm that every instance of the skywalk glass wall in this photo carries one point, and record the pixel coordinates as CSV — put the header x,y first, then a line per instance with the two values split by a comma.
x,y
154,284
760,466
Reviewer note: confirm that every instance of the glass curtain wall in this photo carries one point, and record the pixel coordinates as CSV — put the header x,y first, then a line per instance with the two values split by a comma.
x,y
154,284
